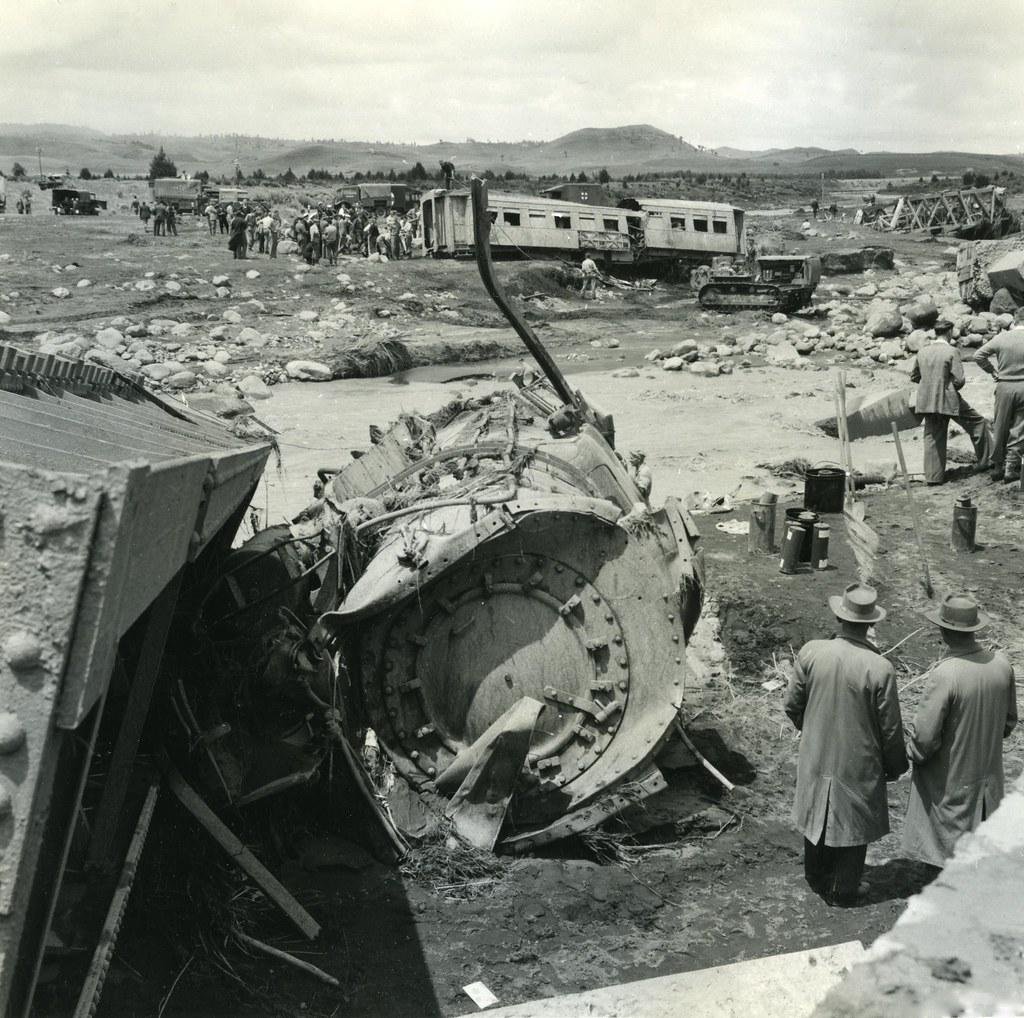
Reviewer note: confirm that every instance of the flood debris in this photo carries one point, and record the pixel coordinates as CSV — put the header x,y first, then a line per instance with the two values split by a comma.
x,y
465,588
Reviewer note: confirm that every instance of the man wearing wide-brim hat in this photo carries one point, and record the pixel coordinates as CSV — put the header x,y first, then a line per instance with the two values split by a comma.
x,y
843,699
939,374
956,740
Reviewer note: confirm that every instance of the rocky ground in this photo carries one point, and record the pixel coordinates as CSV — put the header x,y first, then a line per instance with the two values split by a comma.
x,y
700,877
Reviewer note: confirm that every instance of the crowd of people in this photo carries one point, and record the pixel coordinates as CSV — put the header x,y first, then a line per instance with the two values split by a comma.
x,y
321,232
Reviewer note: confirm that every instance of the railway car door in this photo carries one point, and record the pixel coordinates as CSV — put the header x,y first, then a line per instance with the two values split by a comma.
x,y
427,223
637,238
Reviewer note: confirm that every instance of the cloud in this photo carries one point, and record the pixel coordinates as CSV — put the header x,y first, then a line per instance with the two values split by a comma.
x,y
907,74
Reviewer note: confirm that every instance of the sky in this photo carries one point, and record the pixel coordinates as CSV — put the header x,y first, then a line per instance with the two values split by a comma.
x,y
906,75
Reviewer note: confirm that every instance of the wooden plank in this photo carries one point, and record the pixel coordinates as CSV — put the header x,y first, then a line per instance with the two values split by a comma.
x,y
242,856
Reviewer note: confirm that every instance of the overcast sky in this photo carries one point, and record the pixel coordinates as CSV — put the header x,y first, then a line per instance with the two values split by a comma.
x,y
911,75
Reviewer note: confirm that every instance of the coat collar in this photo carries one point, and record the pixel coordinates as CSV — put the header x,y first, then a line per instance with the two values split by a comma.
x,y
859,643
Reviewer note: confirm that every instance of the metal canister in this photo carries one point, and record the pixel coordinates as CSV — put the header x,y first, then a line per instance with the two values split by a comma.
x,y
819,546
761,536
965,524
808,519
792,544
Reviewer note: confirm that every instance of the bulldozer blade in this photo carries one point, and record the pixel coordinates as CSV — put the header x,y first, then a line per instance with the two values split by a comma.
x,y
478,807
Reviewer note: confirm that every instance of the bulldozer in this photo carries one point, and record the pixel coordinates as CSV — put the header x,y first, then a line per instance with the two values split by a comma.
x,y
780,283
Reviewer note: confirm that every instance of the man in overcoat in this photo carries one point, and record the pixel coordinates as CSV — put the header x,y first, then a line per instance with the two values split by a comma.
x,y
939,374
842,697
956,739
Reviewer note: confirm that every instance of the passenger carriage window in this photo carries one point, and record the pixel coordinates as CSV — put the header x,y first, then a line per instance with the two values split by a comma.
x,y
584,195
512,218
611,224
721,226
678,223
700,225
562,222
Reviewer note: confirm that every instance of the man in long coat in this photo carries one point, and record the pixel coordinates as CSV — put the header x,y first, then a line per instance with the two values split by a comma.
x,y
939,373
956,740
842,697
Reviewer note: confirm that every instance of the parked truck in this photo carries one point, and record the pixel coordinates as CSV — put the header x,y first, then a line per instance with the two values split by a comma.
x,y
184,195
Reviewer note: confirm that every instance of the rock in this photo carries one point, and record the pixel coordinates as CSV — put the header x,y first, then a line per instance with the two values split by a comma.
x,y
252,274
672,364
287,247
626,373
595,343
213,369
172,287
972,339
231,316
4,317
253,387
249,335
181,380
883,321
922,313
183,329
867,290
612,344
308,371
83,283
782,355
144,285
779,318
222,357
891,349
345,279
223,291
308,316
980,325
109,339
708,368
221,280
60,292
685,346
1003,302
834,263
805,345
652,355
136,331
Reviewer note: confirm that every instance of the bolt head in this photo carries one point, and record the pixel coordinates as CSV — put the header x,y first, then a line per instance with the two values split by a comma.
x,y
12,733
23,650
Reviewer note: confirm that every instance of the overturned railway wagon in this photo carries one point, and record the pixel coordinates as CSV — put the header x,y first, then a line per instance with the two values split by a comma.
x,y
637,232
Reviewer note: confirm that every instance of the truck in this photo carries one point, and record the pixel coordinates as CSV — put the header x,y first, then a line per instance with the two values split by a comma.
x,y
225,195
70,201
184,195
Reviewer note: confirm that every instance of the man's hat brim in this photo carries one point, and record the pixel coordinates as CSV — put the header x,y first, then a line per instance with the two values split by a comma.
x,y
835,602
934,616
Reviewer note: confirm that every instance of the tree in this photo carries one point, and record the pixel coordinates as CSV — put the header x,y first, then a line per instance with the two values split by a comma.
x,y
161,166
968,178
288,176
582,178
108,174
85,173
418,172
204,176
604,177
17,171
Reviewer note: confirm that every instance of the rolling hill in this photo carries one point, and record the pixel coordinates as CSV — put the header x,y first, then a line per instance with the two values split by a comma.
x,y
634,148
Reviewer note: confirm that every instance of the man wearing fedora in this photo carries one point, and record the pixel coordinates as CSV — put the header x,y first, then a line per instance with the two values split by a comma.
x,y
842,697
939,374
956,740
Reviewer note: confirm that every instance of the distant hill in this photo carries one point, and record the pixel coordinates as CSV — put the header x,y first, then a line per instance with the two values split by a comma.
x,y
634,148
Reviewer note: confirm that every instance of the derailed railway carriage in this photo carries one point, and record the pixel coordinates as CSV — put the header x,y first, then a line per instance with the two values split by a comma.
x,y
523,224
637,232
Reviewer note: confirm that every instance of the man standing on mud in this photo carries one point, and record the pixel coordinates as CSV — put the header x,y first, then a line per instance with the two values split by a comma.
x,y
842,698
956,739
588,291
1003,358
939,374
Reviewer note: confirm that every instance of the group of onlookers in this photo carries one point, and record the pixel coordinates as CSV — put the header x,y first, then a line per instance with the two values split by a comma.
x,y
247,226
323,232
163,214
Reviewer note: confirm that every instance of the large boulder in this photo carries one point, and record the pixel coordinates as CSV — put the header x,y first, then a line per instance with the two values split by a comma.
x,y
782,355
835,263
922,313
308,371
1003,302
253,387
109,339
883,320
672,364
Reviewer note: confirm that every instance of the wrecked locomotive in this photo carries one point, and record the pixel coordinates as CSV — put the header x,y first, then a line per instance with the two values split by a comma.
x,y
486,592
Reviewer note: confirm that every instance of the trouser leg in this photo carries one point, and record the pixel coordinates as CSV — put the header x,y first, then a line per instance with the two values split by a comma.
x,y
816,870
1015,434
1003,418
978,430
847,870
936,431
